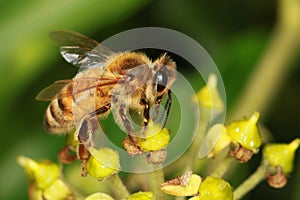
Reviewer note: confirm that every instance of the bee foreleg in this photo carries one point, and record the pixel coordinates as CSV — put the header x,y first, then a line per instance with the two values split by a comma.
x,y
146,113
156,110
167,108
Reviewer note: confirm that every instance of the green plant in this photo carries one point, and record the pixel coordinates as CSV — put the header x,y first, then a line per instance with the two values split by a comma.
x,y
241,137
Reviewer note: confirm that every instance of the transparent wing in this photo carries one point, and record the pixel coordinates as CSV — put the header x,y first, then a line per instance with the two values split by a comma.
x,y
64,88
210,140
80,50
52,92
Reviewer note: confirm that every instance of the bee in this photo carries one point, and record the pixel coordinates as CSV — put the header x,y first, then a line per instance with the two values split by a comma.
x,y
106,82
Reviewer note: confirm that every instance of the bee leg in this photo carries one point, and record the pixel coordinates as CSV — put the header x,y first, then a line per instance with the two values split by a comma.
x,y
167,108
89,125
130,143
156,110
82,151
146,113
102,110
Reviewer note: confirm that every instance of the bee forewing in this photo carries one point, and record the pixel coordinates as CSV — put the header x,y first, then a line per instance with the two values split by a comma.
x,y
58,89
80,50
53,91
210,140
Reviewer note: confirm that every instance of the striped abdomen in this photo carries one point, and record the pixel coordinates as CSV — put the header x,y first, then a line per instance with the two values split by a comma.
x,y
59,116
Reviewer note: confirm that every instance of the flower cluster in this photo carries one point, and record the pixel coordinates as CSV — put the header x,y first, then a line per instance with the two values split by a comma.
x,y
243,135
192,185
103,164
45,180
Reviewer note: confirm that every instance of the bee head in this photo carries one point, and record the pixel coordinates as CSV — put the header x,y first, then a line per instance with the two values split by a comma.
x,y
164,76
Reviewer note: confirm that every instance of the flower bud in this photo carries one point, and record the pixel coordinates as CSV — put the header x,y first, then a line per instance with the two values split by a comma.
x,y
208,96
154,138
215,188
216,140
281,154
45,180
102,163
245,133
43,173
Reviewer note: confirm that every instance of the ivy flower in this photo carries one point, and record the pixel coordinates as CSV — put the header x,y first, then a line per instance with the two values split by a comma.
x,y
185,185
153,141
214,189
45,181
216,140
102,163
245,135
154,138
280,158
242,134
208,97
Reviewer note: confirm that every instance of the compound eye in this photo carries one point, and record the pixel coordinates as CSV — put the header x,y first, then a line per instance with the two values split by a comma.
x,y
161,81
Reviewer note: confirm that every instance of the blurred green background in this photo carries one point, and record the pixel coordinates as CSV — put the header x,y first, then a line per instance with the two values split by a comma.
x,y
235,33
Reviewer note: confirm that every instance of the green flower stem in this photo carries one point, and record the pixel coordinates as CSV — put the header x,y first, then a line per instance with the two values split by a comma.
x,y
157,178
222,167
252,181
117,186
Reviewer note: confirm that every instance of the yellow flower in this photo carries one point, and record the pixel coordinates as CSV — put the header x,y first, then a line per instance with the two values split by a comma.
x,y
281,154
43,173
141,196
245,133
185,185
154,138
102,163
208,96
45,180
217,138
214,189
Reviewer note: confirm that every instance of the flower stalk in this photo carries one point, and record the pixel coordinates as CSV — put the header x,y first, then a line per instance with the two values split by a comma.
x,y
157,178
252,181
118,188
222,167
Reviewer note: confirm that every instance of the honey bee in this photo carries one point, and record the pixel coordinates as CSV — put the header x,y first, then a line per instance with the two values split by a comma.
x,y
107,81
